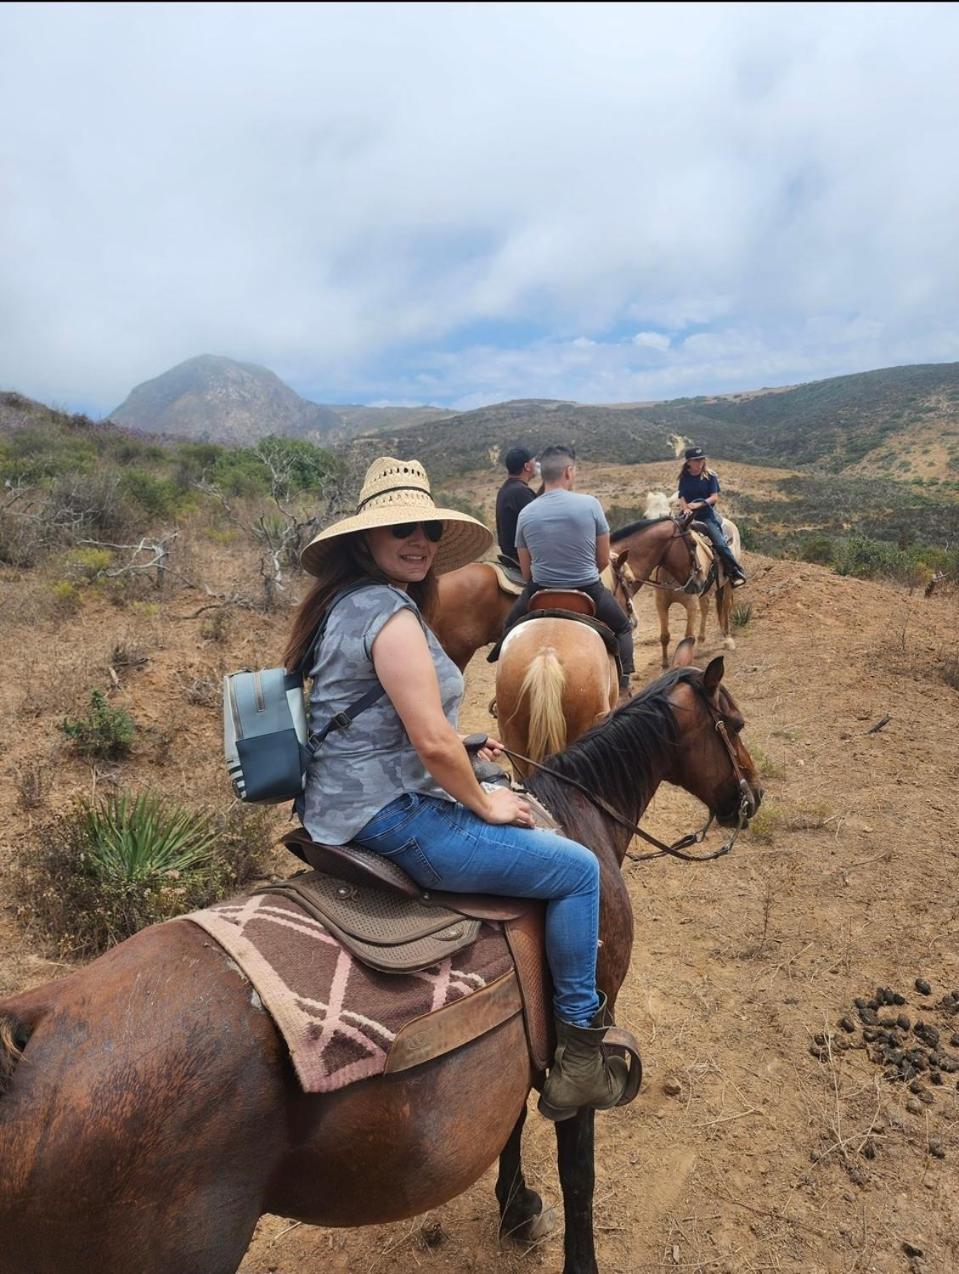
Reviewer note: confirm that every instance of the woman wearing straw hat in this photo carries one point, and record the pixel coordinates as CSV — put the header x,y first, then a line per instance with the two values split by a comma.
x,y
399,780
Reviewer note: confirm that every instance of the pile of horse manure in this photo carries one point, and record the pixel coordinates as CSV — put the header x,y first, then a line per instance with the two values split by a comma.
x,y
911,1051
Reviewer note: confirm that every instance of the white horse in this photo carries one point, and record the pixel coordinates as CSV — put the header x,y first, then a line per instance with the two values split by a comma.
x,y
658,505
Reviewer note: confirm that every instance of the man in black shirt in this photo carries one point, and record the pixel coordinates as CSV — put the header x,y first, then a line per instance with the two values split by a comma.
x,y
513,497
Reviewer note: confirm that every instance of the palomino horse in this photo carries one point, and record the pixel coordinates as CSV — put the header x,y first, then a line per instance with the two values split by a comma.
x,y
657,506
555,678
472,608
149,1112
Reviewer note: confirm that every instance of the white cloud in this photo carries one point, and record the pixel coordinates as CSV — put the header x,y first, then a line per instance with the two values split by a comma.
x,y
652,340
348,194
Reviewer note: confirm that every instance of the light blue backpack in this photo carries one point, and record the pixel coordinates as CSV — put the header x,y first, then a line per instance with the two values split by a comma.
x,y
265,738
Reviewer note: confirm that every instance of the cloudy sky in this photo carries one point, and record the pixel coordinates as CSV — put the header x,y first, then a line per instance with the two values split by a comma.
x,y
459,204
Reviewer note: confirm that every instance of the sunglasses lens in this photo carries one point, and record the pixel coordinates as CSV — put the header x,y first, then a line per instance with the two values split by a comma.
x,y
403,530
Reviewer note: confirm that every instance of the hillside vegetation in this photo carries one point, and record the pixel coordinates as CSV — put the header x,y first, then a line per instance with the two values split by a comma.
x,y
833,425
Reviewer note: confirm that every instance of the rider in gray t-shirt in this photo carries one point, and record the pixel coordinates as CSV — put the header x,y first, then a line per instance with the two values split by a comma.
x,y
561,536
562,541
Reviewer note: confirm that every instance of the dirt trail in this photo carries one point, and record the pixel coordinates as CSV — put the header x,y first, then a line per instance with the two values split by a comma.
x,y
737,965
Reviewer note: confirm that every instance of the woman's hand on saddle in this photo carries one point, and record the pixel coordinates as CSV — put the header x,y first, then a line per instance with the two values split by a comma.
x,y
492,750
507,807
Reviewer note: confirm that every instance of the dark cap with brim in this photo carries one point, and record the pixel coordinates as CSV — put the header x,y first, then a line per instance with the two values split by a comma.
x,y
694,453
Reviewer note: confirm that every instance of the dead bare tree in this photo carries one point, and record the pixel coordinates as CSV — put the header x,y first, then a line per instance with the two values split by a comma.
x,y
151,554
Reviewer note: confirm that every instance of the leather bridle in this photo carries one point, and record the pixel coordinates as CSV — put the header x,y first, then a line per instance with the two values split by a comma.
x,y
679,533
747,802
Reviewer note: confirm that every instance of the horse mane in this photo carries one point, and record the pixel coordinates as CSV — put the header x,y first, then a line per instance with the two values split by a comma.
x,y
616,758
10,1049
633,527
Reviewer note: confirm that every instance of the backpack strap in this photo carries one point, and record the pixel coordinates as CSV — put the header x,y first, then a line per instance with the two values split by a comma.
x,y
340,720
343,720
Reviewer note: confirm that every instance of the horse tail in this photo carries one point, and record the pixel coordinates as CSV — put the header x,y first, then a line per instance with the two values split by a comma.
x,y
543,685
13,1040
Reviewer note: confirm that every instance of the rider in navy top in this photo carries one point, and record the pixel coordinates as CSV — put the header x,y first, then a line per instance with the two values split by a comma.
x,y
699,491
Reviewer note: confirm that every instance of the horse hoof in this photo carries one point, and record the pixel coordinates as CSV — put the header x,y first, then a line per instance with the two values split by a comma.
x,y
540,1226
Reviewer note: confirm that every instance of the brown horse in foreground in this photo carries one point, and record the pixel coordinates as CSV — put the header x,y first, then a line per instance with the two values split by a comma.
x,y
149,1113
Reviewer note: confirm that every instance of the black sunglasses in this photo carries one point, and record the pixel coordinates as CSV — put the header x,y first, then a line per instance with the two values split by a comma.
x,y
403,530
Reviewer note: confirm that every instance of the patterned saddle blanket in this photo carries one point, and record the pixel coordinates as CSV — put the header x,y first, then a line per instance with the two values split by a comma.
x,y
343,1021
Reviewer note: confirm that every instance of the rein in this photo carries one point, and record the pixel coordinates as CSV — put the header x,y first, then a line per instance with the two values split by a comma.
x,y
676,850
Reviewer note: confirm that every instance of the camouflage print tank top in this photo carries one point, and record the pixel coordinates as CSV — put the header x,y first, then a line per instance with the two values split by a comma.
x,y
360,769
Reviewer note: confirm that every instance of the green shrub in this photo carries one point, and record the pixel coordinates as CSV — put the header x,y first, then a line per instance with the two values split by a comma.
x,y
88,563
742,614
155,497
66,598
104,732
748,538
106,870
818,548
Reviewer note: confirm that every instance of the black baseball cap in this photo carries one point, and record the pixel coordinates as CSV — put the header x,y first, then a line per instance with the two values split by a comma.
x,y
516,457
694,453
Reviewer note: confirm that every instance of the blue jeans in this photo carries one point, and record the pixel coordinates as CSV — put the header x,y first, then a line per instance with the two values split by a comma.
x,y
714,529
445,846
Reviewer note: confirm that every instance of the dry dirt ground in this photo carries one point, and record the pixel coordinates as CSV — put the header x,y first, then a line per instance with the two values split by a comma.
x,y
766,1158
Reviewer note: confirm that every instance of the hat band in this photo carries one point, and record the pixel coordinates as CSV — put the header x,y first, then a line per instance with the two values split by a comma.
x,y
377,495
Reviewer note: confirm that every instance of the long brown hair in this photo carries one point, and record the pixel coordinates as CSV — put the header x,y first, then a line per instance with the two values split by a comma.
x,y
706,473
349,563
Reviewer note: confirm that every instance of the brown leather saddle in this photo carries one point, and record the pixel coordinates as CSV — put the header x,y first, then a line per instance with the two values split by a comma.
x,y
386,920
567,599
390,923
549,608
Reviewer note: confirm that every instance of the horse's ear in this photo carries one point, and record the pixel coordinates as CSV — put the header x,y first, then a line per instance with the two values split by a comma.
x,y
683,655
713,675
622,556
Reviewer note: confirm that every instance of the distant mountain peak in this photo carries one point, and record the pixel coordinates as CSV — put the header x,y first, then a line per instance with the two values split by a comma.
x,y
214,398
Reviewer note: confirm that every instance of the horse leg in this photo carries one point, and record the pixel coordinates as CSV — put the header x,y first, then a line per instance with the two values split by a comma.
x,y
724,607
703,609
577,1176
662,610
521,1213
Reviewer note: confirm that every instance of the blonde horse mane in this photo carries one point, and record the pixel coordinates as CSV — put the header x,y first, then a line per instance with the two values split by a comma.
x,y
543,685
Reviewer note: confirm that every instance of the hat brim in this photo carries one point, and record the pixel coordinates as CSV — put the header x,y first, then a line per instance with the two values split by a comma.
x,y
464,538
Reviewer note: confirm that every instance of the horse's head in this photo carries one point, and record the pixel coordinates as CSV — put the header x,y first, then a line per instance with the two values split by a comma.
x,y
625,583
711,760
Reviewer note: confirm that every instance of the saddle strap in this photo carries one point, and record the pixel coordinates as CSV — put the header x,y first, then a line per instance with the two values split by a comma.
x,y
527,943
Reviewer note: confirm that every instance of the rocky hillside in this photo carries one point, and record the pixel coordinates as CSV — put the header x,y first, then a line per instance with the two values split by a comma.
x,y
218,400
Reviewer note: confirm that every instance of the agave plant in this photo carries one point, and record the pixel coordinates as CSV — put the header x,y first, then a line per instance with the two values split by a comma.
x,y
142,839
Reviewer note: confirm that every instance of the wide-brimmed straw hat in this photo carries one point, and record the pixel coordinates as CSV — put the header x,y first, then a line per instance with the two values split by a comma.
x,y
396,491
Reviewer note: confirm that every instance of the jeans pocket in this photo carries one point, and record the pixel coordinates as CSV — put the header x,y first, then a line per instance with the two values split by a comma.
x,y
414,862
385,826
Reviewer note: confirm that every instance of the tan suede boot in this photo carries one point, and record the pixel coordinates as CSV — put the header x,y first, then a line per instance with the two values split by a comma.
x,y
581,1075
